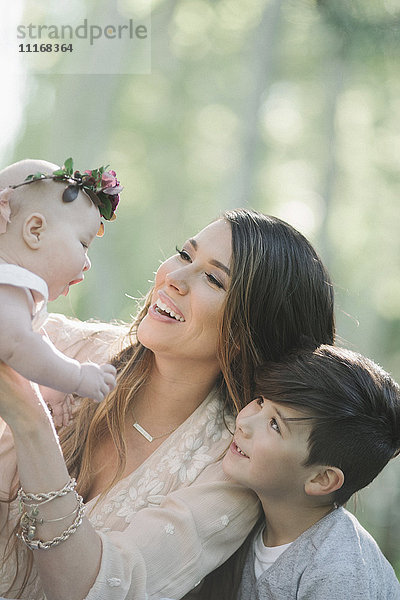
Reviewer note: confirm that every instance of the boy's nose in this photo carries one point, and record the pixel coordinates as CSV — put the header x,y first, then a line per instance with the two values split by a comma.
x,y
244,426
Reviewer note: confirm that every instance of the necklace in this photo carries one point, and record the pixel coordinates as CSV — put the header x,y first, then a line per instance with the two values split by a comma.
x,y
146,434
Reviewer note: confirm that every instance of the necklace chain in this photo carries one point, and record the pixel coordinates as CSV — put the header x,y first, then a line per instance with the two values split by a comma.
x,y
150,438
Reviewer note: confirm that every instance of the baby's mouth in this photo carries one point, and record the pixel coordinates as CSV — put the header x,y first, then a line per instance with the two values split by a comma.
x,y
66,289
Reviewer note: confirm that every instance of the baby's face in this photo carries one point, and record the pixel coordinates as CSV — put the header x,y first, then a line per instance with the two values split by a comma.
x,y
71,228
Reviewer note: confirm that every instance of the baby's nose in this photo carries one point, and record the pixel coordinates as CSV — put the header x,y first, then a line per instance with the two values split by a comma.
x,y
88,264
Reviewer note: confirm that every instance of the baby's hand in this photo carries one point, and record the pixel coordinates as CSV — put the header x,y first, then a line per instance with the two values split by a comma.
x,y
96,381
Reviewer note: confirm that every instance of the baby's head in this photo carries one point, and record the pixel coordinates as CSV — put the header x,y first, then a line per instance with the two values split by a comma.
x,y
45,234
336,415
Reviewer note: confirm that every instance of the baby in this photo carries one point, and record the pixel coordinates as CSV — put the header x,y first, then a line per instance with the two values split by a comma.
x,y
48,219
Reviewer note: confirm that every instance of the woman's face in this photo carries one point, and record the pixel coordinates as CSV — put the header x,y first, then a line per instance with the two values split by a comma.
x,y
190,288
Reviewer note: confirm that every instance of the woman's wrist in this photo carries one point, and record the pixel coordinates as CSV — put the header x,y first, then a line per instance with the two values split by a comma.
x,y
41,465
29,419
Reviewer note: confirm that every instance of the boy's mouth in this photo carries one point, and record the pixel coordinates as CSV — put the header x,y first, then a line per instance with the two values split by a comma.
x,y
239,449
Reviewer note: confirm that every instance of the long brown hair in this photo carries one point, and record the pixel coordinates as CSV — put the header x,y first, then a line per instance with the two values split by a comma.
x,y
280,296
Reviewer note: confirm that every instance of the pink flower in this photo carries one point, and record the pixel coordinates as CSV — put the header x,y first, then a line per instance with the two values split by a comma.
x,y
109,180
5,209
90,173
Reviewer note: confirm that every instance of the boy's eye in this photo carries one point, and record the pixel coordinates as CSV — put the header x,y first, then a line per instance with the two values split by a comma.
x,y
274,425
260,401
85,245
183,254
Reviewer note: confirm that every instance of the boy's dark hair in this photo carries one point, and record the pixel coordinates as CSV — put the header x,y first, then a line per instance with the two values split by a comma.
x,y
354,407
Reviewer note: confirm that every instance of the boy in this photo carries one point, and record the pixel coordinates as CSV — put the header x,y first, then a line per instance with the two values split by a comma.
x,y
324,424
47,223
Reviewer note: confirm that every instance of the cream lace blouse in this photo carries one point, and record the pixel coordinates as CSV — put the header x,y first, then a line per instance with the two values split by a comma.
x,y
168,523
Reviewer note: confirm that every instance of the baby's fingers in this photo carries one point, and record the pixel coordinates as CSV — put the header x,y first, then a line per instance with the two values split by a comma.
x,y
109,369
110,381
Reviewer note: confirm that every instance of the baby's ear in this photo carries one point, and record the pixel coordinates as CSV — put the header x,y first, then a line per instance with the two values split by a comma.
x,y
325,480
34,226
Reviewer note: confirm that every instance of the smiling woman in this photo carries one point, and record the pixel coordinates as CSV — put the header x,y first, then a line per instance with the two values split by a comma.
x,y
160,512
192,284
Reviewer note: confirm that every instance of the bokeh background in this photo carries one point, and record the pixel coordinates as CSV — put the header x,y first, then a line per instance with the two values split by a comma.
x,y
291,107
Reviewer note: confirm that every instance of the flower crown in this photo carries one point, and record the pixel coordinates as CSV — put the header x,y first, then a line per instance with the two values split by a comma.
x,y
100,185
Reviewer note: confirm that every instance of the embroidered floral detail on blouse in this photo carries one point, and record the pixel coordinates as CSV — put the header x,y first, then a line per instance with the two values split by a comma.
x,y
189,459
215,427
169,528
224,520
96,520
113,581
197,443
136,497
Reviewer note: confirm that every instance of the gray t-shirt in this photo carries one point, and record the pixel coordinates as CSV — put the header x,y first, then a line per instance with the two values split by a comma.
x,y
336,559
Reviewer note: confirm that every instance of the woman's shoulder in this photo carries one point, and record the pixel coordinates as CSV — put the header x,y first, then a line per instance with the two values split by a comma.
x,y
87,340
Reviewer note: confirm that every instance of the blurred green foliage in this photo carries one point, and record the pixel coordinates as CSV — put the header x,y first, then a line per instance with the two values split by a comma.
x,y
291,107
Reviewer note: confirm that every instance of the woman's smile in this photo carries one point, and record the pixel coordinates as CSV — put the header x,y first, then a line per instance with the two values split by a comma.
x,y
164,306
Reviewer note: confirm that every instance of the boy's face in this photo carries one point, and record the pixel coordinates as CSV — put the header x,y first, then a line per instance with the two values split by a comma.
x,y
71,229
267,452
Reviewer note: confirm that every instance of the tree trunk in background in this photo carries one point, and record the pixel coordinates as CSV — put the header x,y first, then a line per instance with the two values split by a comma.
x,y
336,70
262,62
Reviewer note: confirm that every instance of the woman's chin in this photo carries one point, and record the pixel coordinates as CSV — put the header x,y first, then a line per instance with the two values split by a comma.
x,y
146,334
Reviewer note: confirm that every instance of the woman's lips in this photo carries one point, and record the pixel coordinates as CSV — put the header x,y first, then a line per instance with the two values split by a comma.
x,y
166,304
158,316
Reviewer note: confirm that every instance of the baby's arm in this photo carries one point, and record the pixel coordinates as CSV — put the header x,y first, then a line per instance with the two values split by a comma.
x,y
35,357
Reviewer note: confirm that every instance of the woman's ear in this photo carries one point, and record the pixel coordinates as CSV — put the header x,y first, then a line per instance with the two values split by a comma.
x,y
33,228
325,481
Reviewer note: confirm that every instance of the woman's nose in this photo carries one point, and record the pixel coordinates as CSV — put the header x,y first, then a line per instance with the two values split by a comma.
x,y
178,279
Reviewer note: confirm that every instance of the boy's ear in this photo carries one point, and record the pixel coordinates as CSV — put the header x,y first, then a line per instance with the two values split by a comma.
x,y
34,226
325,481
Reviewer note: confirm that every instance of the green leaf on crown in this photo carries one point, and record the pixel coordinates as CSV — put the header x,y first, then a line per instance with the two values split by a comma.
x,y
69,166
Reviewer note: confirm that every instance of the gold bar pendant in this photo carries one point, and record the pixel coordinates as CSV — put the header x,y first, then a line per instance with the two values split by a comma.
x,y
144,433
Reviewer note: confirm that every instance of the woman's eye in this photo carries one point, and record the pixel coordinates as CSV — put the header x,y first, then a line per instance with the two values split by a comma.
x,y
183,254
85,245
214,280
274,425
260,401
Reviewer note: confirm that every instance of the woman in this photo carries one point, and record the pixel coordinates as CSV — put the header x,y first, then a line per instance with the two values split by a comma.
x,y
160,514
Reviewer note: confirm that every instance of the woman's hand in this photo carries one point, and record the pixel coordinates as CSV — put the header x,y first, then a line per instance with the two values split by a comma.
x,y
41,468
20,400
60,405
